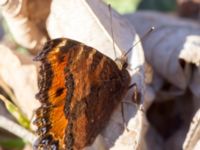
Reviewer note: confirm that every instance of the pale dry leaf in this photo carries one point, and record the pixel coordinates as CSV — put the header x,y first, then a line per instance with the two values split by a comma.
x,y
193,136
149,97
194,86
172,49
21,78
25,23
197,146
90,22
149,94
28,147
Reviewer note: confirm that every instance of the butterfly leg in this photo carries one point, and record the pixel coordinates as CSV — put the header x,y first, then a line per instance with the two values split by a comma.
x,y
132,85
136,98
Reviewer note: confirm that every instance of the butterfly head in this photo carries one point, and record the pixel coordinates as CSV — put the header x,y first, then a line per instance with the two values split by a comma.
x,y
121,62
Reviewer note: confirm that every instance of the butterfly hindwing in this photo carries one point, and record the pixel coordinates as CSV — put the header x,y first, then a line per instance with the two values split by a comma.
x,y
79,88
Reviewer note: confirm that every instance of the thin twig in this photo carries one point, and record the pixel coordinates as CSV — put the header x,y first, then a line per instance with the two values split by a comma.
x,y
16,112
7,89
16,129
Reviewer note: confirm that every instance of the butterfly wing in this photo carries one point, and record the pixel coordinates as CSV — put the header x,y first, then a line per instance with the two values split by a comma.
x,y
79,89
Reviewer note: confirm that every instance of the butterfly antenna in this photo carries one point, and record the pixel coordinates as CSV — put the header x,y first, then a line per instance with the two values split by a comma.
x,y
112,33
142,39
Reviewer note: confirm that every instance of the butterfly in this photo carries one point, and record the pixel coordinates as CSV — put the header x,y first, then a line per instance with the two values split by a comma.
x,y
79,88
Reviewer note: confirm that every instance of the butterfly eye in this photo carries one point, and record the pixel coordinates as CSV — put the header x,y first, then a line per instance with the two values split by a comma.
x,y
125,65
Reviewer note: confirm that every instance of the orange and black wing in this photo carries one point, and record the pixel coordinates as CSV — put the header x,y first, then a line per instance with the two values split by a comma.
x,y
79,88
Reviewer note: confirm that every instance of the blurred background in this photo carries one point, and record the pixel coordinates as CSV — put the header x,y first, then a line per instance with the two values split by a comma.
x,y
183,8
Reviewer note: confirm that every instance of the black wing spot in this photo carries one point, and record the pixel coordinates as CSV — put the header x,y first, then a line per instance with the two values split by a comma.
x,y
59,92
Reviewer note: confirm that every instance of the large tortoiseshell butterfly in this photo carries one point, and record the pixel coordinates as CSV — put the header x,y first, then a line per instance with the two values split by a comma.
x,y
79,88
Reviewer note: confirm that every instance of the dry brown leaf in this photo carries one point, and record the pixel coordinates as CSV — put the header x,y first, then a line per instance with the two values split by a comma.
x,y
21,78
189,8
171,119
25,23
89,22
173,49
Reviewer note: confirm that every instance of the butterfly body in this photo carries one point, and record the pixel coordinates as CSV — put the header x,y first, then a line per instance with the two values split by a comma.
x,y
79,88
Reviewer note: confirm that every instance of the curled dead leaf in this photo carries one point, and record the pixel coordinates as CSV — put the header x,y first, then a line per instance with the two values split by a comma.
x,y
27,25
173,49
